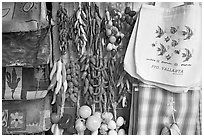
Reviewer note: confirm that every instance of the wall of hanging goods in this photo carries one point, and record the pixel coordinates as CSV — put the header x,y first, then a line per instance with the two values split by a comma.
x,y
74,68
93,38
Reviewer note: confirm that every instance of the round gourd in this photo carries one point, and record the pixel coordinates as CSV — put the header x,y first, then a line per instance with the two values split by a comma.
x,y
120,121
112,39
55,118
109,47
121,131
93,123
112,124
108,32
104,127
97,114
84,111
80,125
112,132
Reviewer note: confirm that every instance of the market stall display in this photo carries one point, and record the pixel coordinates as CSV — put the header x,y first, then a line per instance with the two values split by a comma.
x,y
101,68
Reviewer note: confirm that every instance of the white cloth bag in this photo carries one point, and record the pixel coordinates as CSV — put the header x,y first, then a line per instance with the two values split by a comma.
x,y
165,47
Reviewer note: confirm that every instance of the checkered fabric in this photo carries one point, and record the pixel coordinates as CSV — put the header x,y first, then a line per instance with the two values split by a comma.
x,y
148,111
199,119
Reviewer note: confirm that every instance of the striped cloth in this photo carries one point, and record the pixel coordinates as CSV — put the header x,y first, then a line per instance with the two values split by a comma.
x,y
148,111
199,119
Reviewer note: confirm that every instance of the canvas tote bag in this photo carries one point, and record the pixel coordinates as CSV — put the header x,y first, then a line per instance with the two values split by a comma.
x,y
165,47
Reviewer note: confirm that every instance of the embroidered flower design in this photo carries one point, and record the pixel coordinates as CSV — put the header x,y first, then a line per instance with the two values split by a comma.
x,y
186,55
168,57
174,43
173,30
159,32
167,38
17,120
162,49
170,41
187,33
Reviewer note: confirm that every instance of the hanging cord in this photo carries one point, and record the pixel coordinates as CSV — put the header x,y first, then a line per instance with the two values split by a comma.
x,y
173,108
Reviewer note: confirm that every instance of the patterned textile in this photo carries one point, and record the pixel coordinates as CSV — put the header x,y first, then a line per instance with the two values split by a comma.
x,y
19,83
26,116
25,48
25,37
23,16
148,111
